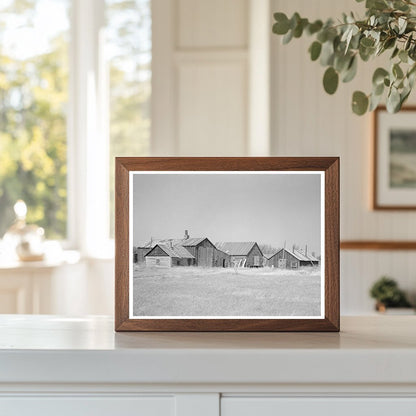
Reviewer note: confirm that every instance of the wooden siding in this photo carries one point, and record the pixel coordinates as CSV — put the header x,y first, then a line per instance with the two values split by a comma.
x,y
139,253
221,259
182,262
158,261
255,257
205,256
204,253
291,261
166,261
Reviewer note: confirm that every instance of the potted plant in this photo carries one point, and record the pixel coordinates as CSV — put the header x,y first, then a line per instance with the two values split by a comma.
x,y
389,27
387,294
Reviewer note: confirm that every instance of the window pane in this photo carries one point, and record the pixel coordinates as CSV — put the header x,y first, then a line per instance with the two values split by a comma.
x,y
129,46
33,100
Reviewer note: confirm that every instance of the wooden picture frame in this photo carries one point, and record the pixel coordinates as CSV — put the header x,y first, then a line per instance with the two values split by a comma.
x,y
296,168
391,189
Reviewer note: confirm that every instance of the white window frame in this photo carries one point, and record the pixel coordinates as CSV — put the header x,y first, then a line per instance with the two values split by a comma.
x,y
88,137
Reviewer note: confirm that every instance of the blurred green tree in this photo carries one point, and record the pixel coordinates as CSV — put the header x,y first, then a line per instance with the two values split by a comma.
x,y
33,97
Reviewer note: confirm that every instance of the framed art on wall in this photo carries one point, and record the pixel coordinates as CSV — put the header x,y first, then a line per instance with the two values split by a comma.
x,y
394,178
227,244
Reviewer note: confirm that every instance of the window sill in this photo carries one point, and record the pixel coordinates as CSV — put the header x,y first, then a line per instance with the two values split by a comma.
x,y
64,257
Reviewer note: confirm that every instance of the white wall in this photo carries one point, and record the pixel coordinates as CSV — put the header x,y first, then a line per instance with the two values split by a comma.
x,y
308,122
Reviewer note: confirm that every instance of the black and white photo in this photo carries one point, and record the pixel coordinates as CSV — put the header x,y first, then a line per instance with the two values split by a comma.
x,y
227,244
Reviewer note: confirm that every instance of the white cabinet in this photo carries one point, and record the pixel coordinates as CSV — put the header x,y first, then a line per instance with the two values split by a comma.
x,y
87,406
262,406
51,365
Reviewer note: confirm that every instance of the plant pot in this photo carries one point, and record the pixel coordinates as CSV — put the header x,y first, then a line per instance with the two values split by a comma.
x,y
382,309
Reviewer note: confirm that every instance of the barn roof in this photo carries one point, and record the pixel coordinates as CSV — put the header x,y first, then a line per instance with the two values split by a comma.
x,y
236,249
307,255
174,251
301,255
313,258
270,255
190,242
186,242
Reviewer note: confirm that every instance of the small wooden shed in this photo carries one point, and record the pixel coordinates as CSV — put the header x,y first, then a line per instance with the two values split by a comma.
x,y
169,256
286,259
242,254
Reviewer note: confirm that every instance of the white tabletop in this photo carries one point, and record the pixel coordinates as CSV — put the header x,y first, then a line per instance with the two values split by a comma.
x,y
376,349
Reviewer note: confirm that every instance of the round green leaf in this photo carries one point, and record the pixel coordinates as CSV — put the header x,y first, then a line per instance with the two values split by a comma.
x,y
379,75
315,50
397,71
342,62
359,103
288,37
403,56
367,42
393,101
395,52
366,53
408,42
281,27
314,27
327,54
351,71
378,90
389,43
330,80
374,102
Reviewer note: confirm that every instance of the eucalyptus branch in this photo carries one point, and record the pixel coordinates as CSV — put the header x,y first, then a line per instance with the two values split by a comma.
x,y
388,25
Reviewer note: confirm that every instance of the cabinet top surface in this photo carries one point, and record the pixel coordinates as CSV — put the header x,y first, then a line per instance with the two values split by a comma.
x,y
43,332
53,349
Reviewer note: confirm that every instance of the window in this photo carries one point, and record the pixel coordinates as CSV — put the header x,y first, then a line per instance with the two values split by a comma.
x,y
75,87
294,264
33,104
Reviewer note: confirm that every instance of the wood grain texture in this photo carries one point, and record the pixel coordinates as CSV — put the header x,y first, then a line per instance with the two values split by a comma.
x,y
121,244
378,245
330,165
376,204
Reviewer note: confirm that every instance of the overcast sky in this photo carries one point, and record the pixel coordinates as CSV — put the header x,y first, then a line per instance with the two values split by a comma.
x,y
266,208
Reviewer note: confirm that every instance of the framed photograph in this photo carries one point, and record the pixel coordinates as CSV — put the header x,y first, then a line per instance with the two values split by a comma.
x,y
227,244
394,176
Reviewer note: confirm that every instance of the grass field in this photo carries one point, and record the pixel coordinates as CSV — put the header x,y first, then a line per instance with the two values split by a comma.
x,y
193,291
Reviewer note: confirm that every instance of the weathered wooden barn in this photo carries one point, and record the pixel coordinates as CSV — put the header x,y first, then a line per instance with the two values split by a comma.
x,y
203,252
286,259
169,256
242,254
